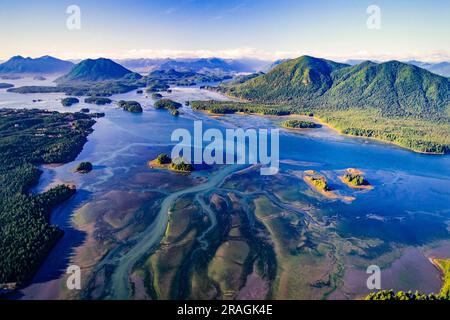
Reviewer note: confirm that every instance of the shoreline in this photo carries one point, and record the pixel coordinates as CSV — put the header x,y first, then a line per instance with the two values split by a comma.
x,y
52,243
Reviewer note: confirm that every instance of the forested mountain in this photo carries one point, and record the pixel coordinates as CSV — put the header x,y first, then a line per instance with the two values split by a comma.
x,y
42,65
300,79
92,70
393,88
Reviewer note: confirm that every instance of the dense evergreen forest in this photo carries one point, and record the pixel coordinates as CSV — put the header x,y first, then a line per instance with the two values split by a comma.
x,y
29,138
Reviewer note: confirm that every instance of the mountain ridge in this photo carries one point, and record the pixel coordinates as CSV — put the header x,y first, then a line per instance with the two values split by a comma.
x,y
393,87
42,65
94,70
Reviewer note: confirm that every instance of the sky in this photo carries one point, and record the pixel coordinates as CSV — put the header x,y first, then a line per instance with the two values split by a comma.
x,y
264,29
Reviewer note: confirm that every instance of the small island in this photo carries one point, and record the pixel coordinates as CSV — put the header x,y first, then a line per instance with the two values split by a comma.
x,y
39,78
130,106
156,86
320,184
355,179
163,161
167,104
6,85
140,91
156,95
299,124
98,100
67,102
84,167
85,110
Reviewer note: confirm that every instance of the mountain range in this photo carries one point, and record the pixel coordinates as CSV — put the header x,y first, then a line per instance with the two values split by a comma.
x,y
201,65
42,65
440,68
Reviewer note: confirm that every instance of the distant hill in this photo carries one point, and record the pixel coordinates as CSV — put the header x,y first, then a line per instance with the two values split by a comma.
x,y
197,65
96,70
42,65
441,68
392,87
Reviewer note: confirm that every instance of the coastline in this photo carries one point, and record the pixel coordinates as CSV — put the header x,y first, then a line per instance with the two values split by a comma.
x,y
74,151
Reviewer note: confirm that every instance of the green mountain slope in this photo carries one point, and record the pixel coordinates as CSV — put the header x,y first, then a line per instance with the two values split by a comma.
x,y
297,80
96,70
393,88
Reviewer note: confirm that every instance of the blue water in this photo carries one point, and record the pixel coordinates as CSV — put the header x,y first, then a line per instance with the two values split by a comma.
x,y
409,204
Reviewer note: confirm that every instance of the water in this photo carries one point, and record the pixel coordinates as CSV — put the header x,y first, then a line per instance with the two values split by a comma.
x,y
408,207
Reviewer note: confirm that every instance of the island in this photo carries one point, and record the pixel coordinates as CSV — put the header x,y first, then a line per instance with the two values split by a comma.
x,y
4,85
34,137
163,161
39,78
130,106
156,86
168,104
67,102
355,179
98,100
156,95
319,183
299,124
84,167
85,110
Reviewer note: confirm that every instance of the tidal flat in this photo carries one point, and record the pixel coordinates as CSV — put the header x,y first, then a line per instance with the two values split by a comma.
x,y
228,232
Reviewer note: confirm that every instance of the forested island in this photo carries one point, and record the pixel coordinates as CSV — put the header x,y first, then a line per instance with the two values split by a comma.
x,y
29,138
168,104
163,161
299,124
4,85
355,179
130,106
68,102
98,100
84,167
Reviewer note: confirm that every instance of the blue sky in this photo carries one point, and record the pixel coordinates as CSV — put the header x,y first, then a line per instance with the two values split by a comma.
x,y
267,29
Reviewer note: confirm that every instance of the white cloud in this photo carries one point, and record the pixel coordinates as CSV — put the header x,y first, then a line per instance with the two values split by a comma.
x,y
253,53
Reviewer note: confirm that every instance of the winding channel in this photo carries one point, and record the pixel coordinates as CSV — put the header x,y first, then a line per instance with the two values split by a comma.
x,y
150,238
